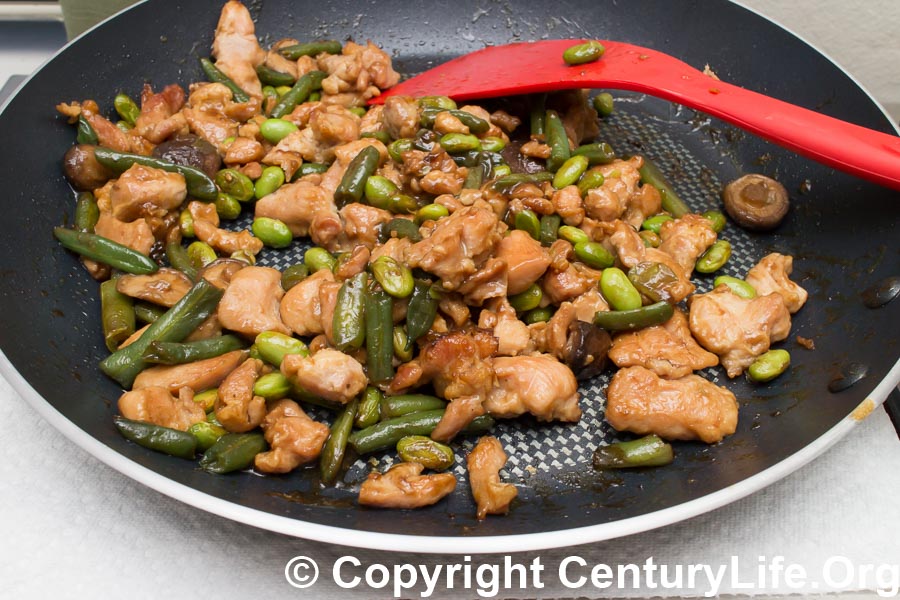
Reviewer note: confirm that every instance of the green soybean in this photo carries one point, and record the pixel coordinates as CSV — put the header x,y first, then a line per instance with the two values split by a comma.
x,y
227,206
716,219
542,314
87,213
273,346
369,411
441,102
587,52
492,144
201,254
573,235
649,451
126,108
398,147
655,222
275,130
769,365
714,258
379,190
650,239
501,171
570,171
207,399
402,349
235,184
425,451
594,255
738,286
618,290
603,104
527,300
271,179
395,278
528,222
207,434
591,179
186,223
294,275
272,232
459,142
431,212
319,259
273,386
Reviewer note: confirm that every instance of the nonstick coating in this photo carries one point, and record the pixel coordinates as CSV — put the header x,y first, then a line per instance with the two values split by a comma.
x,y
841,231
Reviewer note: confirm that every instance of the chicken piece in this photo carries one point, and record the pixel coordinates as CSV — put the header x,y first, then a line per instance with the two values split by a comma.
x,y
458,246
578,117
444,123
526,260
137,235
146,192
110,136
275,60
293,437
301,310
206,222
690,408
165,287
353,263
668,350
624,241
680,289
737,329
160,116
770,275
213,115
328,292
236,48
396,248
620,182
513,336
645,202
328,374
250,304
245,150
537,384
453,307
220,271
685,239
568,204
484,463
237,408
361,225
199,375
589,304
401,116
364,70
157,405
209,328
305,208
575,280
487,282
403,486
505,121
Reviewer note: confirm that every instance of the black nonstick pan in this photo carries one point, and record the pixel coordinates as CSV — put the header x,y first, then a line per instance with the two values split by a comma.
x,y
841,231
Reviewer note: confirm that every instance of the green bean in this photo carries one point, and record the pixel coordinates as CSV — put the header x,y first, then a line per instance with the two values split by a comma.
x,y
85,132
604,104
402,204
646,316
155,437
431,212
592,178
275,130
599,153
86,213
179,258
298,93
441,102
186,223
406,404
211,414
308,169
550,229
476,125
233,452
319,259
386,434
537,114
654,280
528,222
649,451
769,365
294,275
395,278
200,254
570,171
353,183
295,51
271,179
401,228
459,142
714,258
738,287
207,434
379,335
379,190
281,90
474,178
207,399
174,353
527,300
273,386
199,184
236,184
398,147
148,313
716,219
270,77
105,250
402,349
422,310
332,456
425,451
126,108
573,235
594,255
117,315
619,291
369,411
538,315
227,207
671,203
214,74
501,171
272,232
349,320
382,136
650,239
655,222
273,346
269,93
557,140
492,144
196,306
587,52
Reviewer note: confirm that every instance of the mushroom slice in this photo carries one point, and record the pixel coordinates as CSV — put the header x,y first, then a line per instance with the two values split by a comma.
x,y
165,287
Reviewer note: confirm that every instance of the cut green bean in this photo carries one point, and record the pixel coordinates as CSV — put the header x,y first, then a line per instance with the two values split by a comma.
x,y
422,310
599,153
349,321
207,434
570,171
557,140
580,54
379,335
270,77
294,275
382,136
271,179
86,213
105,250
174,353
199,184
505,183
654,280
308,169
550,228
737,286
619,292
714,258
353,183
527,300
319,259
332,456
769,365
126,108
295,51
536,115
387,433
401,228
369,411
155,437
527,221
215,75
646,316
425,451
405,404
85,133
671,203
273,346
233,452
649,451
297,94
117,315
148,313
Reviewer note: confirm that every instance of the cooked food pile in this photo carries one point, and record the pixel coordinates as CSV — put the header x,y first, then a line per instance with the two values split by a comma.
x,y
465,265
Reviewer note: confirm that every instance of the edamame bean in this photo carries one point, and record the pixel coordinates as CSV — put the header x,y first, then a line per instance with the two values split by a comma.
x,y
186,223
272,232
539,315
501,171
425,451
459,142
714,258
492,144
201,254
584,53
275,130
603,104
573,235
650,239
738,287
590,180
402,347
593,254
293,275
769,365
227,206
273,346
527,300
379,190
655,222
716,218
528,222
619,292
395,278
318,259
570,171
206,433
271,179
126,108
272,386
431,212
398,147
207,399
441,102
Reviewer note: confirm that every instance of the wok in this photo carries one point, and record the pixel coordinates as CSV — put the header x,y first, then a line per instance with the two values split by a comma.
x,y
841,231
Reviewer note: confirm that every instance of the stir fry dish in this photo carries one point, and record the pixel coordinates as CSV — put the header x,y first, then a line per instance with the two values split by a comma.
x,y
465,265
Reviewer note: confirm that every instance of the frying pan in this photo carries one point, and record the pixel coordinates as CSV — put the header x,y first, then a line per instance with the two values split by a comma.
x,y
841,231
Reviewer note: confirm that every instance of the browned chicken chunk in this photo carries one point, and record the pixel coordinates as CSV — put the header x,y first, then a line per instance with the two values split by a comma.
x,y
251,302
668,350
293,437
328,374
685,239
770,275
157,405
237,408
526,260
403,486
206,226
200,375
736,329
236,49
146,192
484,463
689,408
301,310
538,384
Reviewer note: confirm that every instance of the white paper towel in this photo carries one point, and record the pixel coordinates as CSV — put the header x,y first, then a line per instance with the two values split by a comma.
x,y
74,528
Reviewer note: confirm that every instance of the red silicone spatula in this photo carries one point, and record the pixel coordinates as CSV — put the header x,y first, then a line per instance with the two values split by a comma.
x,y
539,67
